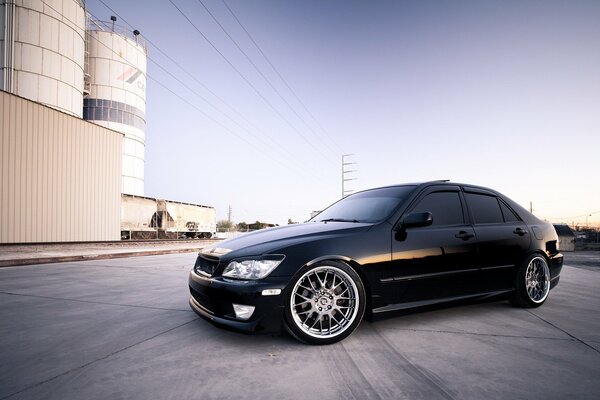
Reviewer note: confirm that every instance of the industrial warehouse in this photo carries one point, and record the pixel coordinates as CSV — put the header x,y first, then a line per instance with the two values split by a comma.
x,y
72,120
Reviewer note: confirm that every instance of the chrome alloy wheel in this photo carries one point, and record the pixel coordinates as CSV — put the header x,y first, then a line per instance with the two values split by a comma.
x,y
537,279
324,302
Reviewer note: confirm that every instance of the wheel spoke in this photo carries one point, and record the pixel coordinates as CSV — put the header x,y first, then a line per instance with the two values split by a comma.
x,y
321,283
303,302
311,284
304,297
336,286
315,323
308,289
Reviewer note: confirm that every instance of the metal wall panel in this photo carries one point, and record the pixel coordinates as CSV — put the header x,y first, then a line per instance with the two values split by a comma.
x,y
60,176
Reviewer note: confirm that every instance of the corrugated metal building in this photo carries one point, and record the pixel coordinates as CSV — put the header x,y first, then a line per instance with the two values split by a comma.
x,y
60,176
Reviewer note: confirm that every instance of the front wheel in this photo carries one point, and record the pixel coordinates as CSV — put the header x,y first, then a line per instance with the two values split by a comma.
x,y
532,282
325,304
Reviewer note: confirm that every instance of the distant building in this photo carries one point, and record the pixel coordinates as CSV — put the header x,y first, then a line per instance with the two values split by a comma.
x,y
62,177
566,236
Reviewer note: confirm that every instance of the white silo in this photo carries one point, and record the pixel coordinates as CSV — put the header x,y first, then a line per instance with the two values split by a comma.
x,y
116,62
42,51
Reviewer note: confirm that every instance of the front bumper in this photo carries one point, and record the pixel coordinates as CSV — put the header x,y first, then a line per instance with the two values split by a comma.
x,y
213,299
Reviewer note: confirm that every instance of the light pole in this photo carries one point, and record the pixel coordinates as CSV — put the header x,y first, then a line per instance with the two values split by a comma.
x,y
344,173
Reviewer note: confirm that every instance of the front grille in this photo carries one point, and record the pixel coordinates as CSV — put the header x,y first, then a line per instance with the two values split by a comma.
x,y
202,299
206,265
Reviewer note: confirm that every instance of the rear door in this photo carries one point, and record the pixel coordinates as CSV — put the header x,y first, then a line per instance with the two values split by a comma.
x,y
502,236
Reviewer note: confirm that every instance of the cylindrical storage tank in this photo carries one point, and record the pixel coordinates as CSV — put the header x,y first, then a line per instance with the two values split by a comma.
x,y
42,51
116,70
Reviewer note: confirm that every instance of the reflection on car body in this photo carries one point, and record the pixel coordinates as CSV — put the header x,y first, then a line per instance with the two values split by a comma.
x,y
375,252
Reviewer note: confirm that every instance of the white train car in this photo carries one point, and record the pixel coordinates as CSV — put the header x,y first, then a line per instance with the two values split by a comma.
x,y
150,218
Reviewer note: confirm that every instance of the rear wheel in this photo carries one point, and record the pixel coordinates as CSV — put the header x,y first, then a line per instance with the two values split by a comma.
x,y
325,304
533,282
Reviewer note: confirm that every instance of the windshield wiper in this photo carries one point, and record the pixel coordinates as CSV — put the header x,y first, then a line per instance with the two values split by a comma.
x,y
338,220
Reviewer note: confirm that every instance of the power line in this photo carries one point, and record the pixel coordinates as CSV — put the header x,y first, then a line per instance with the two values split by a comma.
x,y
248,82
279,74
176,94
273,142
578,216
262,74
298,166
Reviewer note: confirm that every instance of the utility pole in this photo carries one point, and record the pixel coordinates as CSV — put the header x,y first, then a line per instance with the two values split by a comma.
x,y
587,225
531,207
229,214
345,172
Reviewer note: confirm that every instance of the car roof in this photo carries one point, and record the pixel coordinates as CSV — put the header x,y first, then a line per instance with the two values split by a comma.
x,y
523,212
441,182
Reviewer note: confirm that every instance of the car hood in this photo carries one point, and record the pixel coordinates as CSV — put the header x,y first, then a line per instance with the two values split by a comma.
x,y
276,239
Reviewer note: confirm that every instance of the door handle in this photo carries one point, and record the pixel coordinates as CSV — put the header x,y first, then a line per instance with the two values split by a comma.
x,y
464,235
520,231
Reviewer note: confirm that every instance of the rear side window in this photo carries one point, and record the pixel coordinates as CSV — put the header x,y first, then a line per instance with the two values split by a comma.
x,y
509,215
485,209
444,206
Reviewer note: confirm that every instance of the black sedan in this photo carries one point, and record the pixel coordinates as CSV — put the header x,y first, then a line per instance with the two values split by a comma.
x,y
377,252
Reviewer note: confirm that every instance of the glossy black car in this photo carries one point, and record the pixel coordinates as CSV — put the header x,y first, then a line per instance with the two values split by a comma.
x,y
374,252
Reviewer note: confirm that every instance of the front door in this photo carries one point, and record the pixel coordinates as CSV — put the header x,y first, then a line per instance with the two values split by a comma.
x,y
437,261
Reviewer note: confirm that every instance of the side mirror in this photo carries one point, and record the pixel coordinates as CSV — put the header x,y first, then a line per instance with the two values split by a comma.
x,y
416,220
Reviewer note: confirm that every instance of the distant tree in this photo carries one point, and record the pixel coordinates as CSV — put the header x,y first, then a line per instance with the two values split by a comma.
x,y
291,222
260,225
242,227
225,225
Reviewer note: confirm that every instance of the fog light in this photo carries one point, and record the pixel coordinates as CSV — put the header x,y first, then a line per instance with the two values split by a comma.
x,y
242,311
271,292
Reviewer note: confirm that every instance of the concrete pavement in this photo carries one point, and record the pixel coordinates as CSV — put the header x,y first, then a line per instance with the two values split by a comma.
x,y
121,329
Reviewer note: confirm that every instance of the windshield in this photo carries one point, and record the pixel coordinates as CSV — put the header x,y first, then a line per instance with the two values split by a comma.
x,y
369,206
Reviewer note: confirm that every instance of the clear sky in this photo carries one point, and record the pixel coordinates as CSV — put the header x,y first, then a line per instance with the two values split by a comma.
x,y
504,94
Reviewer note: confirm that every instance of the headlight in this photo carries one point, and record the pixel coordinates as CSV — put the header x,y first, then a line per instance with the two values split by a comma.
x,y
251,269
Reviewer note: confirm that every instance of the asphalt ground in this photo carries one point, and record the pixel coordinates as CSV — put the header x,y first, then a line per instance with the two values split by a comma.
x,y
122,329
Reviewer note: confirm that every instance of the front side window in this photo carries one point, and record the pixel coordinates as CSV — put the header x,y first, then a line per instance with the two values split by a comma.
x,y
445,207
485,208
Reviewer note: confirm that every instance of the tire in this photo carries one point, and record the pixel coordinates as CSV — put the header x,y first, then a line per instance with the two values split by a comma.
x,y
532,282
325,303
